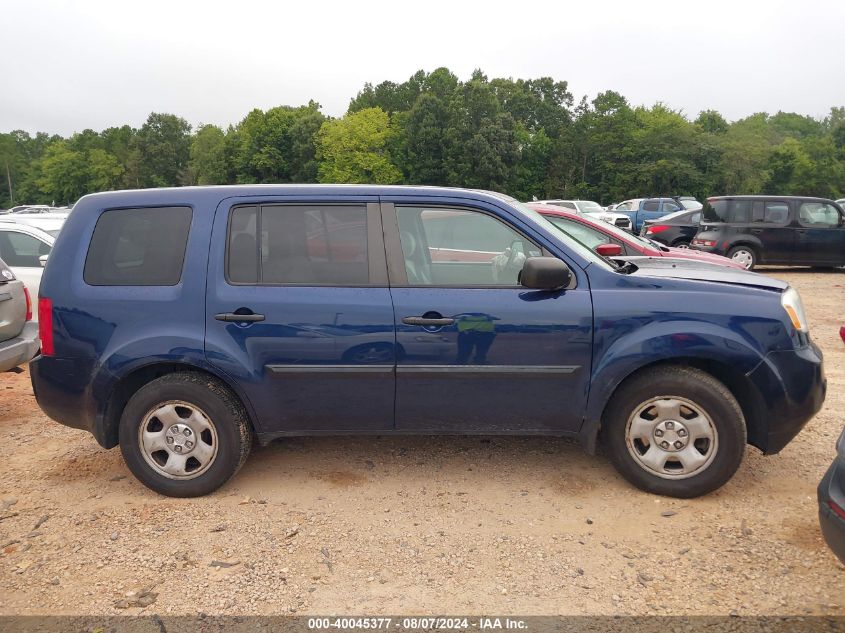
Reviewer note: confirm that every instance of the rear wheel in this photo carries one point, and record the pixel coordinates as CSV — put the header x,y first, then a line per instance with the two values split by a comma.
x,y
184,434
744,255
681,244
675,431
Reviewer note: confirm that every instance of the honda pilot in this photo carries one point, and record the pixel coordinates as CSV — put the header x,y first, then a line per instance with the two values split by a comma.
x,y
183,324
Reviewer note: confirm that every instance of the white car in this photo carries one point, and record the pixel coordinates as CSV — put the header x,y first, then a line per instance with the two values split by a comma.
x,y
593,209
48,222
25,250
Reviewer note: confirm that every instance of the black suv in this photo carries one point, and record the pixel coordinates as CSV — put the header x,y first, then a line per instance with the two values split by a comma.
x,y
790,230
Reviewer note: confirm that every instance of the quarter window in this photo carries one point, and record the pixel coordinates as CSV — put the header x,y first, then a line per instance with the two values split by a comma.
x,y
298,244
138,247
456,247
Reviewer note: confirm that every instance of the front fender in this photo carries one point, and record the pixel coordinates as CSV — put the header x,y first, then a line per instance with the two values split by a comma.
x,y
681,341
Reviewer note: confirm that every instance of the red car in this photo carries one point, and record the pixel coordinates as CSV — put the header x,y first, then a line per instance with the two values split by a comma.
x,y
598,235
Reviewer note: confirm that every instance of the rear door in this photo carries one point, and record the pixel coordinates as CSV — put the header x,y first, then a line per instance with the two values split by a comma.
x,y
767,223
477,352
299,312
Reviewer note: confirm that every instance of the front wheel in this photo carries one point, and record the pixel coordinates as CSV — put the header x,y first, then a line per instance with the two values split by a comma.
x,y
743,255
184,434
675,431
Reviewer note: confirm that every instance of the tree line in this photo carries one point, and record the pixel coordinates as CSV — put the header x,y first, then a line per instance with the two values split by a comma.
x,y
525,137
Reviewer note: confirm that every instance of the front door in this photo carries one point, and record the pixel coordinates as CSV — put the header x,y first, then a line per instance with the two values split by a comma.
x,y
478,353
820,235
299,313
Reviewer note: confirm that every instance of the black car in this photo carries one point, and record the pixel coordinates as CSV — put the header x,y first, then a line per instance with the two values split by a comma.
x,y
676,229
831,494
790,230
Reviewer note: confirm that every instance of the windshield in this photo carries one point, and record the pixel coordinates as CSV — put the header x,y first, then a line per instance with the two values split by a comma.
x,y
588,206
540,222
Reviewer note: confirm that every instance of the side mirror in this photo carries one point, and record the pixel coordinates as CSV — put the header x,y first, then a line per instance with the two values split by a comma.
x,y
609,250
43,260
545,273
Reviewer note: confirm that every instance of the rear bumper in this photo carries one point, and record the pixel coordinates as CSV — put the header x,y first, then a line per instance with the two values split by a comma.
x,y
792,387
62,390
832,490
18,350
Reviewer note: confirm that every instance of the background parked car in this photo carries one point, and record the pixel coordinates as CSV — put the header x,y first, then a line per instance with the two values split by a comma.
x,y
688,202
25,250
18,333
676,229
50,223
588,207
592,234
791,230
641,209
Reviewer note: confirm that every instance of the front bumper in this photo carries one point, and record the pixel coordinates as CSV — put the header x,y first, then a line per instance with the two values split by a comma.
x,y
792,387
18,350
832,491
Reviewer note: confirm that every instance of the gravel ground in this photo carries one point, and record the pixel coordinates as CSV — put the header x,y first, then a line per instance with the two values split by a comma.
x,y
417,525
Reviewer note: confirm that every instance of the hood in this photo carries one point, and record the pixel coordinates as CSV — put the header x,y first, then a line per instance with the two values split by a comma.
x,y
702,271
688,253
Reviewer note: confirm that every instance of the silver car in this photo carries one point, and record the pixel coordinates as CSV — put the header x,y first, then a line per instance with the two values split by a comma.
x,y
18,332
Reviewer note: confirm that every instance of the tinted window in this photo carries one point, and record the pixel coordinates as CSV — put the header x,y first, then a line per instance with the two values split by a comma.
x,y
568,205
670,207
456,247
715,210
138,247
776,212
651,205
318,245
20,249
815,214
739,211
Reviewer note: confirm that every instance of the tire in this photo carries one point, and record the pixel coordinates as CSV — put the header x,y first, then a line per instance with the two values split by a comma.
x,y
681,244
745,255
191,413
694,463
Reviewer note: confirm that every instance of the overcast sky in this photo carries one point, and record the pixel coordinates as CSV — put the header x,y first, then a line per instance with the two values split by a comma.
x,y
66,66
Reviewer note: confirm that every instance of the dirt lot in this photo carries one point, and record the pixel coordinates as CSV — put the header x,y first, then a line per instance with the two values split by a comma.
x,y
417,525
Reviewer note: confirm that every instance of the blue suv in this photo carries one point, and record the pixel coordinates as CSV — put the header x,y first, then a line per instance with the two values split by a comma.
x,y
183,324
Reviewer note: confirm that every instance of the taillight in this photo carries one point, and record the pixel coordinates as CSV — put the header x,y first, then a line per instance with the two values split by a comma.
x,y
836,509
704,242
28,304
45,326
657,228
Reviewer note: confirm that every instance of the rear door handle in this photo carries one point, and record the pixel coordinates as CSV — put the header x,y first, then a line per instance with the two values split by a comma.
x,y
756,230
428,322
239,318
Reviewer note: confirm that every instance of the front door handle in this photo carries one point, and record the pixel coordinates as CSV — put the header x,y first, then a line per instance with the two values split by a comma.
x,y
426,322
238,318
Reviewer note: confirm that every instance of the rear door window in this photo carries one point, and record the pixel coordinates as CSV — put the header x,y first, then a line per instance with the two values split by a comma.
x,y
651,205
298,244
138,247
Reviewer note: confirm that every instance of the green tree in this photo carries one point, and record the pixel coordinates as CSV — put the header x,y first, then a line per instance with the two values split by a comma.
x,y
354,149
164,147
208,161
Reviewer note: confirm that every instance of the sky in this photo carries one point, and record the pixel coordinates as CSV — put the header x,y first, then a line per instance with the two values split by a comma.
x,y
70,65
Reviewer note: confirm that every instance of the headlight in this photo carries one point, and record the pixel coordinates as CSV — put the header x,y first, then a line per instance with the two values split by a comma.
x,y
791,302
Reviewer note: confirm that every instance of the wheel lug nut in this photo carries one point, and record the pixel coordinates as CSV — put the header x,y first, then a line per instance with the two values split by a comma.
x,y
679,444
670,425
658,433
664,444
682,432
187,432
191,444
177,448
169,440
